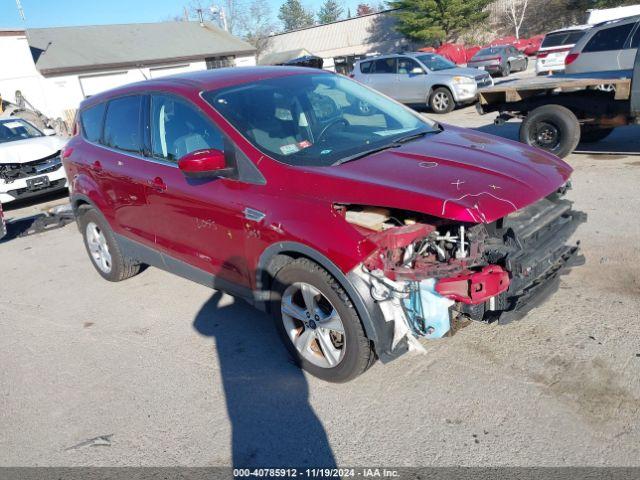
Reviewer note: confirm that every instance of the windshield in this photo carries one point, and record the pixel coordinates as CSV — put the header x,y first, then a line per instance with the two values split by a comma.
x,y
315,119
560,39
435,62
17,129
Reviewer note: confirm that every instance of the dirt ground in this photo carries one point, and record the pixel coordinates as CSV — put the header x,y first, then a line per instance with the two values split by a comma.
x,y
160,371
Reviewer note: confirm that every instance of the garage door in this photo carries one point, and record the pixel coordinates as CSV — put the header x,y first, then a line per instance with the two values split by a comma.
x,y
164,71
92,84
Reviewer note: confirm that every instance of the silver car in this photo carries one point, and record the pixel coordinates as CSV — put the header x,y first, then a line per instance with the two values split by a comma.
x,y
422,78
501,59
605,47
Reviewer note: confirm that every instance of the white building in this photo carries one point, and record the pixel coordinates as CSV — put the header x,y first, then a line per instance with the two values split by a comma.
x,y
338,43
56,68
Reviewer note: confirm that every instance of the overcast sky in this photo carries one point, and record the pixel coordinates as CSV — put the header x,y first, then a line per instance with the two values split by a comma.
x,y
56,13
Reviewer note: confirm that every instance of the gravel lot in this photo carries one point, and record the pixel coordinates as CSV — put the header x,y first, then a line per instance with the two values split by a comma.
x,y
160,371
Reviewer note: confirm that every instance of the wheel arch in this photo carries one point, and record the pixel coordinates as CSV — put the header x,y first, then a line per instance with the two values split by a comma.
x,y
280,254
435,86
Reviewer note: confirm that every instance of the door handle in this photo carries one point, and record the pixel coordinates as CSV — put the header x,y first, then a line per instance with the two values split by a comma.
x,y
157,184
96,166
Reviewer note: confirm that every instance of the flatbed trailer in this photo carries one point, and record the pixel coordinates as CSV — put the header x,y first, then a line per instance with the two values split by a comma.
x,y
560,111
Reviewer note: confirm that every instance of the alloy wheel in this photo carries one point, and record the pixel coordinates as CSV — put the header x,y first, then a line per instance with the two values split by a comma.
x,y
98,247
313,325
440,101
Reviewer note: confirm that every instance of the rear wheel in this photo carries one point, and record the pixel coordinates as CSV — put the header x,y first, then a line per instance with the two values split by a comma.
x,y
551,127
594,134
506,71
103,249
441,100
318,323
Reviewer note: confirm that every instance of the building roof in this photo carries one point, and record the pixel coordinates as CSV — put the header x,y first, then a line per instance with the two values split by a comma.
x,y
278,58
100,47
366,34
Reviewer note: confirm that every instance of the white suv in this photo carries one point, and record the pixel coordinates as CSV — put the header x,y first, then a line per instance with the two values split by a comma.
x,y
30,161
555,47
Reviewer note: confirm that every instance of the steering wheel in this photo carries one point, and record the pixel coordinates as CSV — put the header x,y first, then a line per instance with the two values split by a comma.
x,y
331,124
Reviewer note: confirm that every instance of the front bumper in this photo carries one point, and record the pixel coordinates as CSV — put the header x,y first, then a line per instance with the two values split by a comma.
x,y
20,188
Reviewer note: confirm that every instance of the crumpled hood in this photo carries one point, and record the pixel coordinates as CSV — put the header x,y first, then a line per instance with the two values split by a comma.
x,y
457,174
30,149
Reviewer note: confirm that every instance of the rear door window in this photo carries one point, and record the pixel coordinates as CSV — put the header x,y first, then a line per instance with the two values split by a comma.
x,y
613,38
365,67
385,65
91,121
635,37
122,124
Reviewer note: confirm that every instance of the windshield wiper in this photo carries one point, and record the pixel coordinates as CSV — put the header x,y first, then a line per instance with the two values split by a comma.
x,y
366,153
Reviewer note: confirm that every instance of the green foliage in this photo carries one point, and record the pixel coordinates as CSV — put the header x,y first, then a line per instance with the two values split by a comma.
x,y
431,21
330,11
293,15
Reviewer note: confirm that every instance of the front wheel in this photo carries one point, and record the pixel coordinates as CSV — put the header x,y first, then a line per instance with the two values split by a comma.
x,y
318,323
441,100
551,127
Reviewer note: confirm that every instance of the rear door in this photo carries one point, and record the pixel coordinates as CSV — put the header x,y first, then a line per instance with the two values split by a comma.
x,y
384,77
411,80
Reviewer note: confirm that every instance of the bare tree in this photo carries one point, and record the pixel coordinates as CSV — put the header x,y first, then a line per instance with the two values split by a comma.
x,y
256,27
228,14
515,12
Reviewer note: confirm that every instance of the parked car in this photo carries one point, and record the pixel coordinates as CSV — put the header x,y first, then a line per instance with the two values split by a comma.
x,y
419,78
30,161
555,47
501,59
605,47
357,223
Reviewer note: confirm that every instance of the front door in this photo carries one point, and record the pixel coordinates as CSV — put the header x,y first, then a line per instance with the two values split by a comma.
x,y
196,221
412,85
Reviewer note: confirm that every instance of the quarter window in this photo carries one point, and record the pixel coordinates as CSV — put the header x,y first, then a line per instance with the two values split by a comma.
x,y
612,38
122,124
91,121
178,128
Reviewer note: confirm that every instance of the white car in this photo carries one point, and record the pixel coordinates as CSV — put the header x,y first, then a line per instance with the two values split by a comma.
x,y
555,47
30,162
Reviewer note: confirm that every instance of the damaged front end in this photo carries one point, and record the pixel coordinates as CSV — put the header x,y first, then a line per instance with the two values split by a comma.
x,y
429,274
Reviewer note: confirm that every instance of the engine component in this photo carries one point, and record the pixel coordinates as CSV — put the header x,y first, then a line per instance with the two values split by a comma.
x,y
427,311
476,287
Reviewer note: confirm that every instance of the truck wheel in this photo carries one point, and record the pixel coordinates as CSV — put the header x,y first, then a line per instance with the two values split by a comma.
x,y
103,249
441,100
318,323
551,127
593,134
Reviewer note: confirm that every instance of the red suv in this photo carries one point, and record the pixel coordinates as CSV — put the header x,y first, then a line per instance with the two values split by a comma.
x,y
358,224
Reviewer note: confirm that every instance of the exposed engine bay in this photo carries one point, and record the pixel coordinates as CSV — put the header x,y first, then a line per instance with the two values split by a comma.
x,y
429,272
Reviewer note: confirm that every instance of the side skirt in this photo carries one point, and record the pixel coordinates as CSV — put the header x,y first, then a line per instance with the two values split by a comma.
x,y
149,256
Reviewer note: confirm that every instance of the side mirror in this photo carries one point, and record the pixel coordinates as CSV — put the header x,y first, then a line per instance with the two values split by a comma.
x,y
204,164
416,71
49,132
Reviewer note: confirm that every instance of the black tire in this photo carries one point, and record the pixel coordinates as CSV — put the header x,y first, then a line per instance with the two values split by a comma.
x,y
121,266
358,355
526,64
594,134
553,128
506,71
441,100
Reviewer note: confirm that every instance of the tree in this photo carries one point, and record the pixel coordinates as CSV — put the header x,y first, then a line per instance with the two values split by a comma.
x,y
437,20
330,11
364,9
293,15
228,15
258,25
516,10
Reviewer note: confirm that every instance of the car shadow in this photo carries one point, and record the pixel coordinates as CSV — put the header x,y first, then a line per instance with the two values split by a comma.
x,y
267,396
